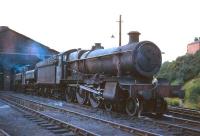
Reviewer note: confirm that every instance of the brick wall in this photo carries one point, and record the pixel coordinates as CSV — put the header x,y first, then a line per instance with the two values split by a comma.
x,y
192,48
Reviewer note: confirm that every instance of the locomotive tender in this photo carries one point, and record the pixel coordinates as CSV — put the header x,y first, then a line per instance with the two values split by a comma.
x,y
119,77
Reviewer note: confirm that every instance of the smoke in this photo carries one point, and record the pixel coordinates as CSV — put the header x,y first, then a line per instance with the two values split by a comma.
x,y
15,58
17,51
11,63
37,50
8,63
19,68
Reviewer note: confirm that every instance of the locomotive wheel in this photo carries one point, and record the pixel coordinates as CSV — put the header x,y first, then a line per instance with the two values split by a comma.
x,y
81,96
94,100
132,106
108,106
70,94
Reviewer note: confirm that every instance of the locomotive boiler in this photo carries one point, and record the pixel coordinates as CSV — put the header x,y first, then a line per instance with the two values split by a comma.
x,y
118,78
140,60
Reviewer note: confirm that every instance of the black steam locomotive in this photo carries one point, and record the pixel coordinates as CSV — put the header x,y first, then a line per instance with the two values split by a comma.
x,y
118,78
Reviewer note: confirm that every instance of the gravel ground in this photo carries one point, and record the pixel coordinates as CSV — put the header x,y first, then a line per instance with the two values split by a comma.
x,y
118,118
14,123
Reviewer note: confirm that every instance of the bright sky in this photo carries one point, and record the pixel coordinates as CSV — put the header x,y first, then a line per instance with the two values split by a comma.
x,y
67,24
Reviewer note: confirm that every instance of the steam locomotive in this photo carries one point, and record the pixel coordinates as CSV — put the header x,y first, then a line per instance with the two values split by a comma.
x,y
117,78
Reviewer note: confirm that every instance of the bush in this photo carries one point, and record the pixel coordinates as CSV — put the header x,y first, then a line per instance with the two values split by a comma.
x,y
192,94
174,101
182,70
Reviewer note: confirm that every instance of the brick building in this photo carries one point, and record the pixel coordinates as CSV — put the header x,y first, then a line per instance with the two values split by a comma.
x,y
193,47
17,50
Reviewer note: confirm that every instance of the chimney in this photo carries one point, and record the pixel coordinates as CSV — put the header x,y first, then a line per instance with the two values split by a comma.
x,y
97,46
133,36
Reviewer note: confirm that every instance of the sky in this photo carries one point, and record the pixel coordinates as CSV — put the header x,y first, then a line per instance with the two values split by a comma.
x,y
69,24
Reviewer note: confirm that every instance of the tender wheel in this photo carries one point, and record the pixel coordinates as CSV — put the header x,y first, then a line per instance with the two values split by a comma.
x,y
70,94
40,92
45,92
132,106
81,96
94,100
51,93
48,92
108,106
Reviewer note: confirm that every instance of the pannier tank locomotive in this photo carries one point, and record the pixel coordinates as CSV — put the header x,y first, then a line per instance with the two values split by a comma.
x,y
117,78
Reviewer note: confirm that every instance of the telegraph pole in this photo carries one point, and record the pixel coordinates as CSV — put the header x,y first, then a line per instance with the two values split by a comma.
x,y
120,30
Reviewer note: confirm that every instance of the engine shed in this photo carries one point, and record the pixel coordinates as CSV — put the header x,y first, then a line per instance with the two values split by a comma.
x,y
16,51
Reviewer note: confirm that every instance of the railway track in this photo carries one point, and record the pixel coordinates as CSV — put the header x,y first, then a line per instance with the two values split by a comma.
x,y
55,125
3,133
184,122
185,112
36,109
193,124
176,124
189,129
